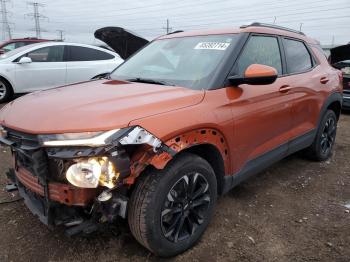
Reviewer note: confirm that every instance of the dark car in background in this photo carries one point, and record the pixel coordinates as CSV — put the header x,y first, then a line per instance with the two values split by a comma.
x,y
18,42
340,59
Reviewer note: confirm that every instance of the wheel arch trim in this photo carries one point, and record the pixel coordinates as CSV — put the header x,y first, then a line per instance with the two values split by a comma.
x,y
335,97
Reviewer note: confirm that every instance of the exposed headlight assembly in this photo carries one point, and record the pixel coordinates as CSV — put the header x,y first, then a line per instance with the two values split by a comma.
x,y
92,172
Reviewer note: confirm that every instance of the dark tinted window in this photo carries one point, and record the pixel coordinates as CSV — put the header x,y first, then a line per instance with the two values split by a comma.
x,y
78,53
20,44
297,56
260,50
47,54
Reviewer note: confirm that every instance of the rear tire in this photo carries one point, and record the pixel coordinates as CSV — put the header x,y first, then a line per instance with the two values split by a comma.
x,y
170,209
321,148
5,91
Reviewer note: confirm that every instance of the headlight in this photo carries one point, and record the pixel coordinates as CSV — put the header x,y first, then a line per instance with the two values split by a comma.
x,y
93,139
134,135
3,132
92,172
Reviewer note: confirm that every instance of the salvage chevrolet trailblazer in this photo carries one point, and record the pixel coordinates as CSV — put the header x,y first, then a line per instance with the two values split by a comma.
x,y
185,119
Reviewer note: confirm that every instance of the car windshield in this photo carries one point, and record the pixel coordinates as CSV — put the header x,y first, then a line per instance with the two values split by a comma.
x,y
187,61
16,51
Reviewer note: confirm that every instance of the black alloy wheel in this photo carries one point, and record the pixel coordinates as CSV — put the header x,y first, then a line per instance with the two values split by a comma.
x,y
322,146
169,209
328,136
185,207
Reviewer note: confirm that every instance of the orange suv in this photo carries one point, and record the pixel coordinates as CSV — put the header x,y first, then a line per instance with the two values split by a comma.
x,y
184,120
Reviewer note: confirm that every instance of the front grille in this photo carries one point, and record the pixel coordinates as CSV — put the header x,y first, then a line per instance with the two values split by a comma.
x,y
25,160
30,156
346,83
23,143
22,139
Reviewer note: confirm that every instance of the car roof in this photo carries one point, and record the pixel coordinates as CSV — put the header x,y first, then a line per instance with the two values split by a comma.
x,y
51,43
29,39
245,29
15,40
34,46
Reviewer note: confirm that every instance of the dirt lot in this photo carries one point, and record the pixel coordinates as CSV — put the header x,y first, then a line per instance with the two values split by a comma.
x,y
294,211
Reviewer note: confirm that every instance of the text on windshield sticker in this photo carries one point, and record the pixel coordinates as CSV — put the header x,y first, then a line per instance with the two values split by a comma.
x,y
212,45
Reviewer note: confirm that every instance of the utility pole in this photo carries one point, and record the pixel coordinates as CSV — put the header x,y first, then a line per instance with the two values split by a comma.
x,y
60,33
5,23
167,28
37,17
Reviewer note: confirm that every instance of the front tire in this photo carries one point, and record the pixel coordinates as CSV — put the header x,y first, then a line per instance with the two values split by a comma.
x,y
5,91
170,209
321,148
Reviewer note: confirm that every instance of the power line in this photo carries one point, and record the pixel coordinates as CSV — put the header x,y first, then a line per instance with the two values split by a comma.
x,y
190,9
161,5
239,21
241,16
37,17
5,23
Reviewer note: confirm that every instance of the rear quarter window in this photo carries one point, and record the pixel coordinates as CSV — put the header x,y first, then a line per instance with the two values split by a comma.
x,y
79,53
298,57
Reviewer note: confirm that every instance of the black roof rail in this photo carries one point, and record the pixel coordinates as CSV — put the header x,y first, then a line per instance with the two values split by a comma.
x,y
273,26
175,32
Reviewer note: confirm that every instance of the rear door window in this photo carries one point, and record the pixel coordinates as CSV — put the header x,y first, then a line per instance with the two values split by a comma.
x,y
298,57
260,50
79,53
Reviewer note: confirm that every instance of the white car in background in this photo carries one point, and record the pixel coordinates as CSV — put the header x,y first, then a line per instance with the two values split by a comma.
x,y
51,64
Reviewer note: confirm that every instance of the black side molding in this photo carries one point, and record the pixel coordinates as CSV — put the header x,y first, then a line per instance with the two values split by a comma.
x,y
262,162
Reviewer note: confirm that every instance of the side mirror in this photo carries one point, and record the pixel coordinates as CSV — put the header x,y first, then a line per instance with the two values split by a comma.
x,y
256,74
25,60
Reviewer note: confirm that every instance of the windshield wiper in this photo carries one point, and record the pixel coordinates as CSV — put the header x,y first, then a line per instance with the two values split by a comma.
x,y
149,81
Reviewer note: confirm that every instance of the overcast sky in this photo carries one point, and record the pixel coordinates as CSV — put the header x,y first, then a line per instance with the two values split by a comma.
x,y
325,20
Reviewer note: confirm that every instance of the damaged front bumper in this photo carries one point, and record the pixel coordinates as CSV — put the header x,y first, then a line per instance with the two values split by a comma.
x,y
39,173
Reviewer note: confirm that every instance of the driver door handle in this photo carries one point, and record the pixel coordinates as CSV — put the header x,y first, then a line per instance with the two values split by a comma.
x,y
285,89
324,80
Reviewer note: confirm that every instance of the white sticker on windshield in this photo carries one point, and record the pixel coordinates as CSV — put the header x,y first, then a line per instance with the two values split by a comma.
x,y
212,45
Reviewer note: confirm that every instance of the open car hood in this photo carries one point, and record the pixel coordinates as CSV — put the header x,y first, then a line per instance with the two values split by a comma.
x,y
339,54
123,41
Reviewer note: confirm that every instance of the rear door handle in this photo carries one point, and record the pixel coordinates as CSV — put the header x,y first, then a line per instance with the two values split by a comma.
x,y
324,80
285,88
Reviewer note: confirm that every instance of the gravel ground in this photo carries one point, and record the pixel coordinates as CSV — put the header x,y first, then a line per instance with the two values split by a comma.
x,y
294,211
